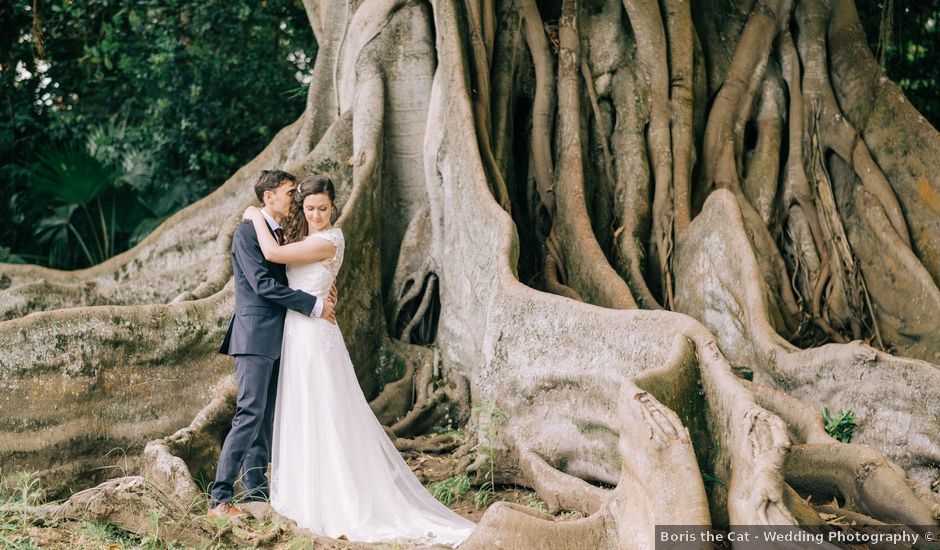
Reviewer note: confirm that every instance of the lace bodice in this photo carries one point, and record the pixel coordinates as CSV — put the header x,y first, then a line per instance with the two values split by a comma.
x,y
317,277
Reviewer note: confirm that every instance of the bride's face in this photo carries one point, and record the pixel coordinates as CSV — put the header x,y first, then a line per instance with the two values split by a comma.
x,y
317,210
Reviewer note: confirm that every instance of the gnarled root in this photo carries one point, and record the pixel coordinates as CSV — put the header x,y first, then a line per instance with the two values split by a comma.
x,y
734,306
511,526
440,443
122,502
824,467
433,410
163,500
869,483
117,377
174,461
558,490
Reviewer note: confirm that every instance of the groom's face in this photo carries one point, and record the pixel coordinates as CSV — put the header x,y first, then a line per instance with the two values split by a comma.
x,y
278,201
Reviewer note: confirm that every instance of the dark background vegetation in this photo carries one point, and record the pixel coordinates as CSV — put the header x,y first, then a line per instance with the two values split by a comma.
x,y
115,114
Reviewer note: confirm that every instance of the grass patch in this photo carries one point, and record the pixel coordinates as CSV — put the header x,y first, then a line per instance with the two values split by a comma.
x,y
451,490
485,494
532,500
107,535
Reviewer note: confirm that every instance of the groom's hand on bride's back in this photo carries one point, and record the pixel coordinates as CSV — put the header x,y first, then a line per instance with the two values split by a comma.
x,y
329,310
333,293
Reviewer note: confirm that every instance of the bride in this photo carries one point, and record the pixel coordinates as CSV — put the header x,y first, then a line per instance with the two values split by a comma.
x,y
334,470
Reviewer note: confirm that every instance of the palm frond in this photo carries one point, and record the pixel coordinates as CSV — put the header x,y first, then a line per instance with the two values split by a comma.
x,y
67,175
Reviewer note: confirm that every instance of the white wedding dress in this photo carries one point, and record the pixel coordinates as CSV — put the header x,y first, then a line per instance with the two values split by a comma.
x,y
334,470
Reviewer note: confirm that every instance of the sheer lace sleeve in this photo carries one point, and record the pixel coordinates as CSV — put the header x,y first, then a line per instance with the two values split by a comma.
x,y
334,235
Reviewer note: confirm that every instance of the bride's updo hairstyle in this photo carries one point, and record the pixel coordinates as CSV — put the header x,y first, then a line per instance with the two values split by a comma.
x,y
296,228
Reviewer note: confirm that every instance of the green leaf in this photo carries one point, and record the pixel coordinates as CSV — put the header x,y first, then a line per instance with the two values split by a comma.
x,y
68,175
841,426
7,256
53,232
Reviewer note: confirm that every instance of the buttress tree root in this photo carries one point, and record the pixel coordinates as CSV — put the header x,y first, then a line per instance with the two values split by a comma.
x,y
636,244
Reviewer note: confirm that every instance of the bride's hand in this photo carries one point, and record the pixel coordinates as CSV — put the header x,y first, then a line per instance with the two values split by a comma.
x,y
251,213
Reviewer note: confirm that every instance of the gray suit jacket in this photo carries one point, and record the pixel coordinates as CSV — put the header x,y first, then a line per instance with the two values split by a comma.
x,y
262,298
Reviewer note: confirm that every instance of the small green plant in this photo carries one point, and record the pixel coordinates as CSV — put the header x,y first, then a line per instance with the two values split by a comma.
x,y
108,535
485,494
491,417
17,494
28,489
451,490
841,426
17,541
152,541
220,523
391,367
532,500
447,430
449,425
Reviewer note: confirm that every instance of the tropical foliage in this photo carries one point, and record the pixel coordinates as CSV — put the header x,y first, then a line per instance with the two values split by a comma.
x,y
116,114
905,38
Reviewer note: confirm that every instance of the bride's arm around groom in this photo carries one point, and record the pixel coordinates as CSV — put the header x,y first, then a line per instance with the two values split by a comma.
x,y
302,251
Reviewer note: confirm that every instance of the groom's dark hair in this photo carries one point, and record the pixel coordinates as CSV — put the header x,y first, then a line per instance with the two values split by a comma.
x,y
269,180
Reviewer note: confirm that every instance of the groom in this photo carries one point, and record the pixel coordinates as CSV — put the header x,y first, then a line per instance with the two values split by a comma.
x,y
254,336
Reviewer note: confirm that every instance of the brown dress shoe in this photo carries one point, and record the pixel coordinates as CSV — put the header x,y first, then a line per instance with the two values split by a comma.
x,y
226,510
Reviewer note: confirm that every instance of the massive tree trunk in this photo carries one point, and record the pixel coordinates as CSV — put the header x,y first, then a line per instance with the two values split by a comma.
x,y
646,241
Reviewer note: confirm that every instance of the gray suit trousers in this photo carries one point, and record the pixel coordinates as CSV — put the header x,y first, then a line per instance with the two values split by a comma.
x,y
247,447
